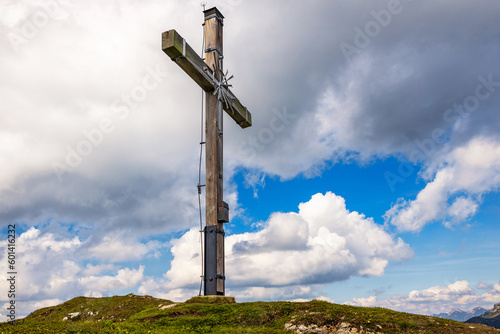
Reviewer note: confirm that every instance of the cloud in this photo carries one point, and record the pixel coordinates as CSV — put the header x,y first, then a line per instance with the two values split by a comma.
x,y
75,149
293,292
453,196
23,308
441,293
54,266
185,268
484,286
325,299
118,248
461,210
332,243
406,88
125,279
436,299
92,62
412,96
365,302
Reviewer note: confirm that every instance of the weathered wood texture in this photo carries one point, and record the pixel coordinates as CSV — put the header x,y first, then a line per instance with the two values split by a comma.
x,y
214,148
183,54
208,74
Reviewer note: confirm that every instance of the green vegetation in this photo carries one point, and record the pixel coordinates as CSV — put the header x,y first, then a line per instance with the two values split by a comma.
x,y
145,314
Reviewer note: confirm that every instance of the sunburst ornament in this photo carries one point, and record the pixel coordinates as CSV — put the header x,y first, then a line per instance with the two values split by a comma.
x,y
221,82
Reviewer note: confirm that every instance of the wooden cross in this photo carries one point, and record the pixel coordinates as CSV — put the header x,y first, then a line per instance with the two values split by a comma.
x,y
210,77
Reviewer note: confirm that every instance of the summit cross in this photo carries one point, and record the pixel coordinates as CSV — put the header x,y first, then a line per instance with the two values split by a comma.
x,y
208,74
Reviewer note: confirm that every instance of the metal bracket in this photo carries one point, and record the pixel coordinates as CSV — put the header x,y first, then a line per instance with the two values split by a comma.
x,y
220,19
176,59
215,49
213,229
223,212
212,273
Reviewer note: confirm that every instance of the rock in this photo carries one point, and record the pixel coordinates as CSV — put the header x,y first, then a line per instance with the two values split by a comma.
x,y
302,329
342,328
164,307
345,328
71,316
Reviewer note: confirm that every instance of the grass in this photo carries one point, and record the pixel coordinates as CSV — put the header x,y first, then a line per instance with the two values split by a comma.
x,y
145,314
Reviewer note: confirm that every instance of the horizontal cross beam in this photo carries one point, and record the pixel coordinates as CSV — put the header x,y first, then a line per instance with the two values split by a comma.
x,y
179,51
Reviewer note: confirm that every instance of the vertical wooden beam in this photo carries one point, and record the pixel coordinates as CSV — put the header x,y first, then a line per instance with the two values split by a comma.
x,y
214,259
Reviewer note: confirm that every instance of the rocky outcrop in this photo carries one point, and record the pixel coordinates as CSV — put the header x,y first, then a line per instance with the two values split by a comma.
x,y
341,328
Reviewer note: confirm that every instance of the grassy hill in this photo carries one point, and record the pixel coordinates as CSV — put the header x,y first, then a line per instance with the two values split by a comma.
x,y
145,314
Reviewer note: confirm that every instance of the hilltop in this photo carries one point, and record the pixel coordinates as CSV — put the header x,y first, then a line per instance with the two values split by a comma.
x,y
145,314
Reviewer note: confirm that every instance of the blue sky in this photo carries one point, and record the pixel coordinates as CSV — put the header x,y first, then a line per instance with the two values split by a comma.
x,y
370,175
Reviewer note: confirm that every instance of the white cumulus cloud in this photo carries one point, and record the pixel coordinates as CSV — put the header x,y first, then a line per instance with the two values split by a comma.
x,y
472,169
293,253
436,299
53,267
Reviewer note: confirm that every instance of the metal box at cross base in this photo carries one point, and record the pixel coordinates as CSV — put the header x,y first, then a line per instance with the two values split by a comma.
x,y
223,212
